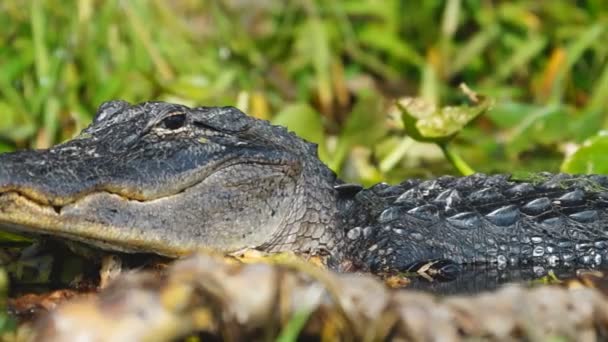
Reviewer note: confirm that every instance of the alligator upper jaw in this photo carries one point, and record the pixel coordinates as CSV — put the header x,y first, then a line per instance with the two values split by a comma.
x,y
48,192
178,224
21,215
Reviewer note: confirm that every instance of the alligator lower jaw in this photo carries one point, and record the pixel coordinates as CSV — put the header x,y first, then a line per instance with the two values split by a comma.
x,y
20,214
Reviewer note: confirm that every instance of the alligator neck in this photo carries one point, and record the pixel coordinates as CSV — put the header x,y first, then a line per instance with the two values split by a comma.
x,y
310,227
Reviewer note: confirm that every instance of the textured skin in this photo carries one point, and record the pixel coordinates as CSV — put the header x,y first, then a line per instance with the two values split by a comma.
x,y
553,220
164,178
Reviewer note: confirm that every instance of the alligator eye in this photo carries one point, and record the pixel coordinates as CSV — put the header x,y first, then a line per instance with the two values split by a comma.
x,y
174,121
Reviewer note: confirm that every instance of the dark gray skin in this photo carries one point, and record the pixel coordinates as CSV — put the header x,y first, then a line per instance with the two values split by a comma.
x,y
168,179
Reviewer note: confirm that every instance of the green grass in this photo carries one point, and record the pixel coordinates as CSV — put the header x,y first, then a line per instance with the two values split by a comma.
x,y
329,70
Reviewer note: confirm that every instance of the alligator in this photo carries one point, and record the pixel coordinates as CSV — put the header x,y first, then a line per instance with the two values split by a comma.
x,y
167,179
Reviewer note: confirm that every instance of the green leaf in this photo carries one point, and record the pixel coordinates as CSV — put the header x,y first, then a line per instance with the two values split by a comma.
x,y
292,329
364,127
425,122
305,122
590,157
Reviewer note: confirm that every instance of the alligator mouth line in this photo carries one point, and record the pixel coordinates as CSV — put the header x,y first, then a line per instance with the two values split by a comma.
x,y
24,214
21,215
57,208
125,192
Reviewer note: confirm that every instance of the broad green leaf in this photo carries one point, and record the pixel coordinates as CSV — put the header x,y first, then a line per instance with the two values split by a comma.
x,y
364,127
591,157
425,122
305,122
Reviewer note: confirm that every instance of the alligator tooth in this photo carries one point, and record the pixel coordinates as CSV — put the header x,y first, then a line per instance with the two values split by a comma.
x,y
485,195
537,206
520,189
424,212
465,220
585,216
504,216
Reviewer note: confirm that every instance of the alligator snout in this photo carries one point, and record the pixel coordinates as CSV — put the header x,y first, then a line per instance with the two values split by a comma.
x,y
40,176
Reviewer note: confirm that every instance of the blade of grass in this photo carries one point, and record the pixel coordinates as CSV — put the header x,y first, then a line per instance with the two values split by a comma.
x,y
528,50
292,329
574,51
473,48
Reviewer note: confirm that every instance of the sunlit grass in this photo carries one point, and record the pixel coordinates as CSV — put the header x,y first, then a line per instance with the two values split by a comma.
x,y
326,61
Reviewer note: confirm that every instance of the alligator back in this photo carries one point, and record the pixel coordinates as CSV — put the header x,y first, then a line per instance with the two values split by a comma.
x,y
551,220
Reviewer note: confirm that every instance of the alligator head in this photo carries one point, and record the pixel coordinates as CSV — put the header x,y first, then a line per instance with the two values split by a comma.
x,y
168,179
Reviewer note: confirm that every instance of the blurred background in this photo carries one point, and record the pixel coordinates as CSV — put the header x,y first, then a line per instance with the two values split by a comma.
x,y
329,70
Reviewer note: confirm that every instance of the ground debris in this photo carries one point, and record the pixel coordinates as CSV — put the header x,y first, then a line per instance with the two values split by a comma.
x,y
209,295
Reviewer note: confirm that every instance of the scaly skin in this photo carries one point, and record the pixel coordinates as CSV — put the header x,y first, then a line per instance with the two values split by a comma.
x,y
168,179
553,220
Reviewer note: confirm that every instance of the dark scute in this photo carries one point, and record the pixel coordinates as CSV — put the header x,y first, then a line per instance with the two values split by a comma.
x,y
392,214
109,108
348,189
465,220
224,119
450,196
573,197
505,216
552,222
520,189
485,195
537,206
424,212
407,196
585,216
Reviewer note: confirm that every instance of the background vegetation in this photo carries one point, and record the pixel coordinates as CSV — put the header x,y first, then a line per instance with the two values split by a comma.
x,y
330,70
